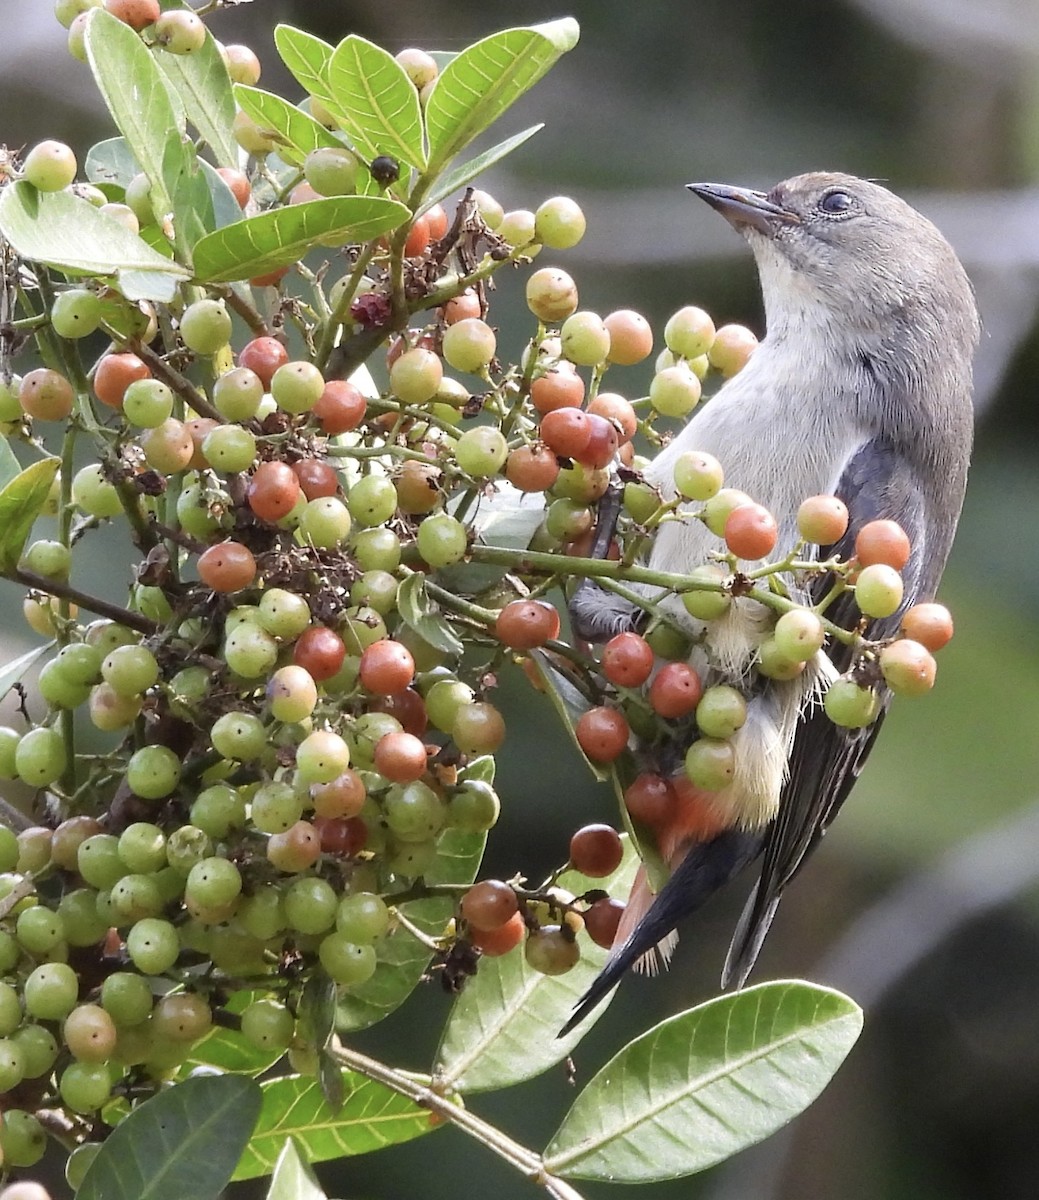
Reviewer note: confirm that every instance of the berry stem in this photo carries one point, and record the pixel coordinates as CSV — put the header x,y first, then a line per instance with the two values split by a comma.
x,y
177,382
526,1161
247,312
94,604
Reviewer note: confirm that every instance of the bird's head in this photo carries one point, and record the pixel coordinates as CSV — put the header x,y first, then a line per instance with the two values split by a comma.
x,y
844,251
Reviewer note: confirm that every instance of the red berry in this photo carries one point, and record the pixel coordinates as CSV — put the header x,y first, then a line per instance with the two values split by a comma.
x,y
596,850
135,13
387,667
418,238
400,757
928,624
524,624
602,443
650,799
618,412
882,542
340,408
627,660
602,733
320,651
342,836
751,531
227,567
273,491
567,431
602,920
676,690
316,478
561,387
496,942
488,905
238,182
532,468
263,356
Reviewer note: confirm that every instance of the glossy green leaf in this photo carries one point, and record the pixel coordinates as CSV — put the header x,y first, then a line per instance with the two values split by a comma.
x,y
375,101
296,132
136,95
65,231
21,501
402,959
419,612
283,235
372,1117
201,81
183,1142
292,1178
478,85
459,176
306,56
705,1084
13,670
503,1025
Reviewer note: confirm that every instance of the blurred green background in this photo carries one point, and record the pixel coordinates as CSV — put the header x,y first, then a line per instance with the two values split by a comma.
x,y
922,902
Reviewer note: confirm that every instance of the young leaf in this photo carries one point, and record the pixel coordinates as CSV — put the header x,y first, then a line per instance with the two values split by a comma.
x,y
281,236
111,161
306,56
459,176
20,503
402,958
478,85
420,613
12,671
135,92
372,1117
375,101
292,1178
705,1084
67,232
503,1026
183,1142
296,132
201,81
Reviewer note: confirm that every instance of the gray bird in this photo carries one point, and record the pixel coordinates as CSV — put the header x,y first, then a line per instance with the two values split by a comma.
x,y
861,388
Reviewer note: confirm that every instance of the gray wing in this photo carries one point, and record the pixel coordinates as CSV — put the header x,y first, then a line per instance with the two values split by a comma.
x,y
878,482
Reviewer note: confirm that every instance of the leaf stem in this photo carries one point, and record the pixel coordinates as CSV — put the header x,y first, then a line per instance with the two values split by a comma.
x,y
526,1161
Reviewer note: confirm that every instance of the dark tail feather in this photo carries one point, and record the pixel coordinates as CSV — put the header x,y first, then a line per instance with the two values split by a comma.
x,y
747,940
707,867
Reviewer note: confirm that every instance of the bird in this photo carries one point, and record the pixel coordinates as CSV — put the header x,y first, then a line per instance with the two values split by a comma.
x,y
861,388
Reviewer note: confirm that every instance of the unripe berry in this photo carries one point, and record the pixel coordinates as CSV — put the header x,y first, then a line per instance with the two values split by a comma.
x,y
559,223
908,667
731,349
878,590
689,332
675,391
551,294
822,520
50,166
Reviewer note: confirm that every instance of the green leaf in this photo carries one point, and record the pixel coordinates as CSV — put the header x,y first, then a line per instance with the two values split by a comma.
x,y
12,671
569,702
67,232
20,503
459,176
372,1117
503,1026
183,1142
307,57
111,161
137,98
292,1178
375,102
9,464
477,86
226,209
283,235
204,87
296,132
705,1084
402,958
422,614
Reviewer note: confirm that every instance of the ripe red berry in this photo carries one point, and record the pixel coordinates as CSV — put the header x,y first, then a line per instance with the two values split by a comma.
x,y
488,905
320,651
532,468
602,443
387,667
227,567
751,531
618,412
496,942
627,660
596,850
822,520
263,356
524,624
316,478
602,733
418,238
566,431
400,757
340,408
602,920
928,624
883,542
135,13
561,387
273,491
675,690
649,798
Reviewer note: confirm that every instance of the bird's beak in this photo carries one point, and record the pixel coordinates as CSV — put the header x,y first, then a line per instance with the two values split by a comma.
x,y
743,208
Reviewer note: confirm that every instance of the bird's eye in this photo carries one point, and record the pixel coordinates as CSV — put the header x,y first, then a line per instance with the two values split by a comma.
x,y
835,202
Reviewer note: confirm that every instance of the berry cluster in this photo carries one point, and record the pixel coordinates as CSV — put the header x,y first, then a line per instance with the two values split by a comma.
x,y
246,768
